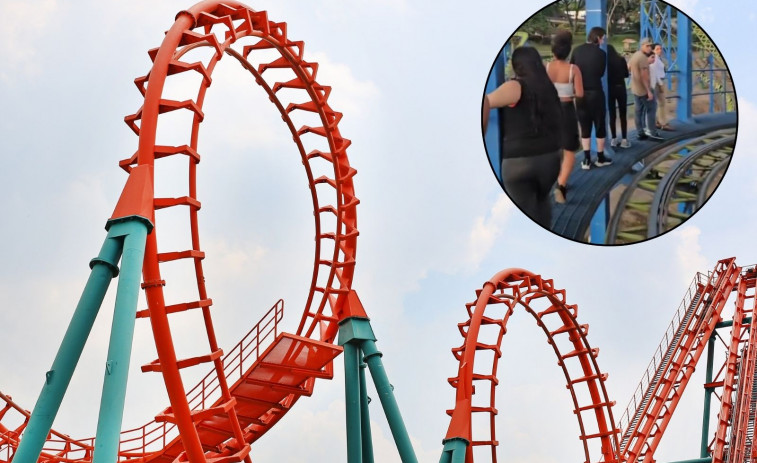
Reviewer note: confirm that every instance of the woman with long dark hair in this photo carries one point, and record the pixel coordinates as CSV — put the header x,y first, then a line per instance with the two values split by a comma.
x,y
617,71
531,147
568,81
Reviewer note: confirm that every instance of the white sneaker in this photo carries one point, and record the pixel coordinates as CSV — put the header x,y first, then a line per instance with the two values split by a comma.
x,y
625,143
614,142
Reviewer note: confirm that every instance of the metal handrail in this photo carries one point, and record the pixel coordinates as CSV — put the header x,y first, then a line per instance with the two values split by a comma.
x,y
659,353
155,436
207,391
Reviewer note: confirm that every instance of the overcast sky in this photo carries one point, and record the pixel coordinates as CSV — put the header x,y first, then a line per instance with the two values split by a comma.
x,y
434,224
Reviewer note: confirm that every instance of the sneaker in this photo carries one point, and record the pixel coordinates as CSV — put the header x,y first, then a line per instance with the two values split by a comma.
x,y
560,194
642,136
653,135
625,143
585,164
603,162
614,142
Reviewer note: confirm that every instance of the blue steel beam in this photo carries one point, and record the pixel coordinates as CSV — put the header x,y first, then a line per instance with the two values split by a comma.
x,y
596,16
493,137
684,64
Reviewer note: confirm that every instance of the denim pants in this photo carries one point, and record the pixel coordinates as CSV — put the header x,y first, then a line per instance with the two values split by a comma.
x,y
645,112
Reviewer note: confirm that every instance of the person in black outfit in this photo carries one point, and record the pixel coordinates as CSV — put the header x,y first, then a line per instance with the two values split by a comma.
x,y
531,146
617,71
592,60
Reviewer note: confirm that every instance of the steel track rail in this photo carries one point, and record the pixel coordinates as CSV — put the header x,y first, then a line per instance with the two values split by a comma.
x,y
646,180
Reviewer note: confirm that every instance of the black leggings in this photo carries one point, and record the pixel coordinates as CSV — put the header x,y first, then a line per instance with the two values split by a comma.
x,y
618,96
529,180
591,111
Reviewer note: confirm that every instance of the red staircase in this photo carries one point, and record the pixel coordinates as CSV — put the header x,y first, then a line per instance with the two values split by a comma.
x,y
659,392
264,386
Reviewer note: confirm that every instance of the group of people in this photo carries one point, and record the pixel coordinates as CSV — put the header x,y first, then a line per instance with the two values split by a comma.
x,y
550,112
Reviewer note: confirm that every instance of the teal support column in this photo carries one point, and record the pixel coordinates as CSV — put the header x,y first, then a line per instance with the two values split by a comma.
x,y
685,87
454,450
388,401
352,402
104,268
704,451
355,334
365,418
134,234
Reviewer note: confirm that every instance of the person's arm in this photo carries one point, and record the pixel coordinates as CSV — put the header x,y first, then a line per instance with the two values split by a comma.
x,y
604,62
505,95
578,82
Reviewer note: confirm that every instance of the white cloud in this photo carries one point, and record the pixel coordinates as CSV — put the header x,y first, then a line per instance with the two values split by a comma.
x,y
487,229
20,24
689,253
349,94
687,6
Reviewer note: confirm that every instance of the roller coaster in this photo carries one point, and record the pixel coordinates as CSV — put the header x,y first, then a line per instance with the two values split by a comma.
x,y
675,182
251,387
651,188
634,436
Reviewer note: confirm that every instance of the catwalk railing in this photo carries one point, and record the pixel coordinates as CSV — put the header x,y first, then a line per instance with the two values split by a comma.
x,y
687,304
154,436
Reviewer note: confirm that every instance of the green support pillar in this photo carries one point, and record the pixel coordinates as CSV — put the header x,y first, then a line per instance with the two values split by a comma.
x,y
388,401
704,450
134,234
352,402
356,333
365,417
104,268
454,450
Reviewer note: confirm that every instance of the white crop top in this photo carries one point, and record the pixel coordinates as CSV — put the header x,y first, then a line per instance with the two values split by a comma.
x,y
565,89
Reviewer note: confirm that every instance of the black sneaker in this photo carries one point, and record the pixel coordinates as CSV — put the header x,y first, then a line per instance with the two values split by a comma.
x,y
585,164
642,136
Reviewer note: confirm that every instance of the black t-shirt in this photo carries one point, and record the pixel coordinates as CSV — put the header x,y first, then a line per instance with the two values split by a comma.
x,y
591,60
522,137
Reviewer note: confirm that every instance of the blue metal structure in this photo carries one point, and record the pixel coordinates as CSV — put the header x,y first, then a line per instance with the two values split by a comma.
x,y
493,133
596,16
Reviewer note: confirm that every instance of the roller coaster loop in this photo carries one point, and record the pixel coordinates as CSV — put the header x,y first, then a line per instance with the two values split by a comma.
x,y
251,387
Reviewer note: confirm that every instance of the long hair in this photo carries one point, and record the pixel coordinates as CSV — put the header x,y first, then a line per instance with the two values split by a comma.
x,y
539,93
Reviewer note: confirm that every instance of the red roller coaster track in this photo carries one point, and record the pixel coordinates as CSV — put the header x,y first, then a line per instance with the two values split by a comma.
x,y
637,434
249,389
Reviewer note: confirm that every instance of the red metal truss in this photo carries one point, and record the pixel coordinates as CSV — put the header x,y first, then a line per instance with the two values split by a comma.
x,y
495,303
201,26
650,411
732,374
218,419
739,416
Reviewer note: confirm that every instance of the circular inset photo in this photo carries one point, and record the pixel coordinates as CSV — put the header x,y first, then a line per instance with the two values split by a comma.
x,y
609,122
